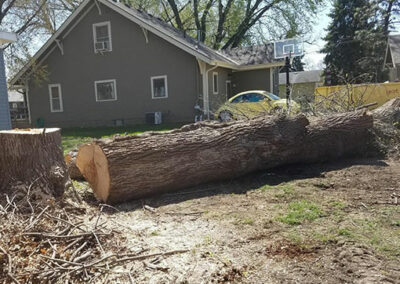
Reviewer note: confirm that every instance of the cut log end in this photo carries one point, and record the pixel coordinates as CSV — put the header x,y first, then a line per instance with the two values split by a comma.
x,y
93,164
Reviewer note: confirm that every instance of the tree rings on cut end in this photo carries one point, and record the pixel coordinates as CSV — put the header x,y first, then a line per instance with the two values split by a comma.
x,y
93,164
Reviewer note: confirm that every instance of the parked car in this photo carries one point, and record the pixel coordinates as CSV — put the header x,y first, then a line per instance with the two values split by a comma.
x,y
250,104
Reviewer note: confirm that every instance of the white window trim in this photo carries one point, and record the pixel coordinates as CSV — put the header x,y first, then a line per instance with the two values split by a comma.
x,y
60,97
105,81
215,92
108,24
152,86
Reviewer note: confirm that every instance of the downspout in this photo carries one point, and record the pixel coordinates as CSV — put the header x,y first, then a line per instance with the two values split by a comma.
x,y
206,98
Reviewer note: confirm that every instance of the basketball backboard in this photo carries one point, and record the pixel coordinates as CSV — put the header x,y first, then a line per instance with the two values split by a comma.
x,y
288,48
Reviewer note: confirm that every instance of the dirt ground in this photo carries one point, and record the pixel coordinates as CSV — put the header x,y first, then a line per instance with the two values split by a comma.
x,y
326,223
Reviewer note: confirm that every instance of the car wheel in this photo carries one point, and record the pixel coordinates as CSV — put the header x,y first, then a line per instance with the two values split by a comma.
x,y
277,110
225,116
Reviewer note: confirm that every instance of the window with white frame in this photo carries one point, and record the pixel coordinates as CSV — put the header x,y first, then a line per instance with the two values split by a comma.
x,y
159,87
106,90
215,82
102,37
56,104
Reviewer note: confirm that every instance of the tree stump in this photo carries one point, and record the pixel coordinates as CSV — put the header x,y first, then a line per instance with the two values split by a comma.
x,y
131,167
32,156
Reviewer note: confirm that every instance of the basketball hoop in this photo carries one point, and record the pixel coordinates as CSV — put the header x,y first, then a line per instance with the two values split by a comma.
x,y
288,49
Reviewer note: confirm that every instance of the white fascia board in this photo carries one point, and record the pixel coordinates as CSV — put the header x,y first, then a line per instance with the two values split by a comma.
x,y
125,11
44,48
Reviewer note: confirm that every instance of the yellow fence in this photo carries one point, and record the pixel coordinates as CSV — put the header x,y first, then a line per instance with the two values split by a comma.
x,y
348,97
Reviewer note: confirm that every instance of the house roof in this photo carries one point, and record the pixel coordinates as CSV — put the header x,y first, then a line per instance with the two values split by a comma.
x,y
237,59
15,97
301,77
394,46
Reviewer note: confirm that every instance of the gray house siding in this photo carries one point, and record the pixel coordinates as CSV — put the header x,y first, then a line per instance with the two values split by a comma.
x,y
5,121
219,98
251,80
131,63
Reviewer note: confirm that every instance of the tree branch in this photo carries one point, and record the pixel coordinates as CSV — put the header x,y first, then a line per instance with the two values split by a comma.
x,y
177,16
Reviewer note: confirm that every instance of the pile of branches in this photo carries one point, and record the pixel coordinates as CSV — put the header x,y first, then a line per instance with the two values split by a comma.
x,y
387,127
43,240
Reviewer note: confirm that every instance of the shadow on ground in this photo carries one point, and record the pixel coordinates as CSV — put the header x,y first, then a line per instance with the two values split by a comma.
x,y
242,185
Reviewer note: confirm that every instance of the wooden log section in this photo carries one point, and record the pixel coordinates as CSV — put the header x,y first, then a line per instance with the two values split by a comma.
x,y
137,166
73,171
32,156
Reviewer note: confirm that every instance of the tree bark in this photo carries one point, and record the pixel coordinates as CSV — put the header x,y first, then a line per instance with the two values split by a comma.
x,y
32,157
133,167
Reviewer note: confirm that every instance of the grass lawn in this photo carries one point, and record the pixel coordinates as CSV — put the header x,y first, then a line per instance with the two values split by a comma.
x,y
73,137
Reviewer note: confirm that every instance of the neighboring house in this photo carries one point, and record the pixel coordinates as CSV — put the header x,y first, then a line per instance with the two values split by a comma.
x,y
5,122
18,109
109,64
303,85
392,58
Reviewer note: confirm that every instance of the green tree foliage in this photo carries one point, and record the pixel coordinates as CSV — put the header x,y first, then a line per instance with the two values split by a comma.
x,y
33,21
356,42
219,23
232,23
390,14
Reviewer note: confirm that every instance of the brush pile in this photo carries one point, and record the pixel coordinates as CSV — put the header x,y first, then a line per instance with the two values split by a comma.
x,y
43,240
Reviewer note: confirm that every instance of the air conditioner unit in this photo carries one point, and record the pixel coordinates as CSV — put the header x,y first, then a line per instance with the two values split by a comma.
x,y
154,117
102,46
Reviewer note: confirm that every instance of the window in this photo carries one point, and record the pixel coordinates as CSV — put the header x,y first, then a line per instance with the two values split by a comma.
x,y
215,83
56,104
255,98
14,105
102,37
106,90
159,87
249,98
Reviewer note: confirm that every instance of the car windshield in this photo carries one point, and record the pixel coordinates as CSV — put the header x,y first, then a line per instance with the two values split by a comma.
x,y
273,97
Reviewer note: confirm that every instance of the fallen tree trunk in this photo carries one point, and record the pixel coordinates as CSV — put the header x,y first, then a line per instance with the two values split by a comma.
x,y
30,157
131,167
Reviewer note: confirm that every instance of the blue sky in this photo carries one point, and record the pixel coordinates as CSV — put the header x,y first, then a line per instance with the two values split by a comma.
x,y
312,58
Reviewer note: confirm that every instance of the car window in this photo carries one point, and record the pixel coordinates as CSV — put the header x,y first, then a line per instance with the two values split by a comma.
x,y
249,98
255,98
274,97
241,99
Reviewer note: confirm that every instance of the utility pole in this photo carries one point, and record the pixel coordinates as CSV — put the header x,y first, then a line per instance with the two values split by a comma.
x,y
287,68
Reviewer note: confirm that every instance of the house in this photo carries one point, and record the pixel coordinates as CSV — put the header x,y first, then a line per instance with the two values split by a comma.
x,y
392,58
109,64
5,122
18,109
303,85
